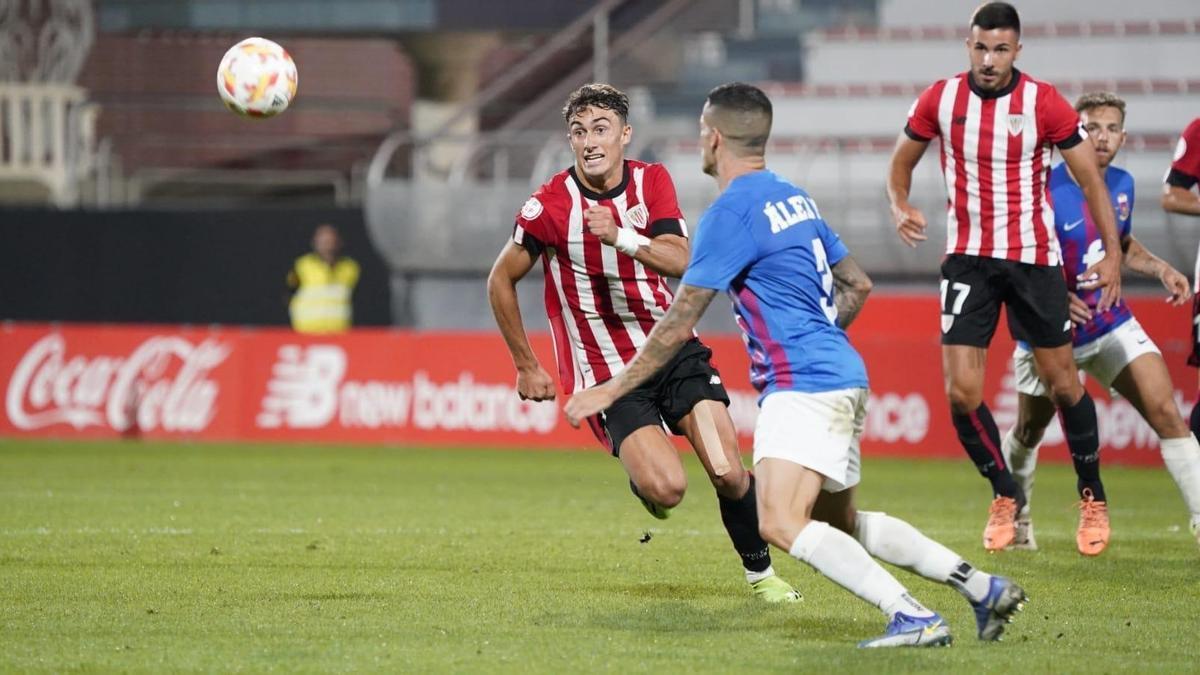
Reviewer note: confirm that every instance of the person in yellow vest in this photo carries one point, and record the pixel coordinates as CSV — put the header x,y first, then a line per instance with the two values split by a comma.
x,y
322,284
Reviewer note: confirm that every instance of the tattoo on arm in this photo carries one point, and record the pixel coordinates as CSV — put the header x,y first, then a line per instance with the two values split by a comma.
x,y
1139,259
668,336
851,287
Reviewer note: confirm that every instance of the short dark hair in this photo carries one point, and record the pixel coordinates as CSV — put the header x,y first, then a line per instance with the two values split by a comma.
x,y
996,15
599,96
744,100
1100,99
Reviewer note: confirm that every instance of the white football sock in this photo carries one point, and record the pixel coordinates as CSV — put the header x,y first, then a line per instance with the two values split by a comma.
x,y
896,542
1182,457
839,557
755,577
1021,461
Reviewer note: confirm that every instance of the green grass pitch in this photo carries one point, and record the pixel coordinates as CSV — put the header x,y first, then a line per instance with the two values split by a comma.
x,y
195,557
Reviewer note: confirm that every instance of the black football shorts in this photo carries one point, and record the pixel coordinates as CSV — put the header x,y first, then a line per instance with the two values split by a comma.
x,y
1034,297
688,378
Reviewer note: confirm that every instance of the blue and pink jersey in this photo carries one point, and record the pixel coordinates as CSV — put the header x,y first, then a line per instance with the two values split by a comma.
x,y
765,243
1081,244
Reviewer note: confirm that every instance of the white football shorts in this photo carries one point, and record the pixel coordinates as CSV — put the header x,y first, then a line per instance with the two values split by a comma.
x,y
1103,358
819,431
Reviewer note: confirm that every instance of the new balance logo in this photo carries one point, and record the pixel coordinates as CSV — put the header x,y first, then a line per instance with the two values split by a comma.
x,y
962,119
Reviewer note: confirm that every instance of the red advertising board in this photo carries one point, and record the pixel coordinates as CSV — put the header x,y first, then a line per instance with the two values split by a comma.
x,y
438,388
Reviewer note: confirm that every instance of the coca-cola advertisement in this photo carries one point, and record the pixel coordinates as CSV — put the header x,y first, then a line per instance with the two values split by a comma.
x,y
102,381
456,389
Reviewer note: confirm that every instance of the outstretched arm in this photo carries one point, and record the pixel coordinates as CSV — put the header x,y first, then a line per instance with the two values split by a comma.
x,y
852,287
664,342
1139,259
513,263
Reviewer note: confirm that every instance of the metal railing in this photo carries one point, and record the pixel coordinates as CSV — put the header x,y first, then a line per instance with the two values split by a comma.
x,y
48,137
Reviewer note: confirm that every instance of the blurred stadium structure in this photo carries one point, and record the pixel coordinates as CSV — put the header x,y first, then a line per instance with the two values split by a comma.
x,y
437,118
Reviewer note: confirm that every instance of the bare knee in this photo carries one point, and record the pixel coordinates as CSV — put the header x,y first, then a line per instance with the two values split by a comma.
x,y
733,484
666,491
1065,393
1163,416
964,397
1062,386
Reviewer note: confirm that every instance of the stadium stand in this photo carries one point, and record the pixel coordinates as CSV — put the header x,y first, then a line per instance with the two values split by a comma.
x,y
171,134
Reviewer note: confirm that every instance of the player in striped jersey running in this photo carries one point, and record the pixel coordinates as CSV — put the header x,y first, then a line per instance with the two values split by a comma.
x,y
997,128
608,231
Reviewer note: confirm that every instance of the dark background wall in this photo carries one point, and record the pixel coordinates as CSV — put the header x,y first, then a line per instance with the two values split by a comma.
x,y
171,267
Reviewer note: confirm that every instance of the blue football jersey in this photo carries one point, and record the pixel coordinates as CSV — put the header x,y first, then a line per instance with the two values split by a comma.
x,y
1081,244
764,242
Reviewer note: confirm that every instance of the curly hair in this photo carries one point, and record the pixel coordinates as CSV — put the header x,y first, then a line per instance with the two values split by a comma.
x,y
1100,99
597,95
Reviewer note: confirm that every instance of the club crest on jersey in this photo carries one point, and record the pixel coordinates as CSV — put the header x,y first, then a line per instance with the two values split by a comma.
x,y
637,217
1015,124
532,209
1123,206
947,322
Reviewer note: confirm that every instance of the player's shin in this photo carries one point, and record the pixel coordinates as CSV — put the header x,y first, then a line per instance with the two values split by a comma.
x,y
839,557
1194,418
898,543
1182,457
980,437
1022,461
1079,426
740,517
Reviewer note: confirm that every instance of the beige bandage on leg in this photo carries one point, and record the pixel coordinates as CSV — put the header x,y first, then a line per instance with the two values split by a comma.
x,y
710,440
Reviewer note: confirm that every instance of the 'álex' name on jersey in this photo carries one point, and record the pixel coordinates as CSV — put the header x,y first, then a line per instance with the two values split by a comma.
x,y
796,209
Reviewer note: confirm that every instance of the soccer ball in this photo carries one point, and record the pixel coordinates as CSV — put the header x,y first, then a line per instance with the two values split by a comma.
x,y
257,78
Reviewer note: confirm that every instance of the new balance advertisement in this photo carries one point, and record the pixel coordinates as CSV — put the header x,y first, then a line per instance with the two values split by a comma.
x,y
394,387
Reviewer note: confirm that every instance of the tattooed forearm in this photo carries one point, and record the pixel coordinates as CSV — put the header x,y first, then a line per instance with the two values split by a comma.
x,y
664,341
1139,259
852,286
849,303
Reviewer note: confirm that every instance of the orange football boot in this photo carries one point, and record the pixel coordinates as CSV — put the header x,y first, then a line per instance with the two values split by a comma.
x,y
1002,524
1092,536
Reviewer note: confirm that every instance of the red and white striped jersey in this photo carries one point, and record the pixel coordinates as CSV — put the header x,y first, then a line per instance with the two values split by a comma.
x,y
1185,173
996,149
1185,165
611,301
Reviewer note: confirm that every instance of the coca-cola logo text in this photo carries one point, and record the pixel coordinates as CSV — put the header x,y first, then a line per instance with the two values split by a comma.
x,y
162,384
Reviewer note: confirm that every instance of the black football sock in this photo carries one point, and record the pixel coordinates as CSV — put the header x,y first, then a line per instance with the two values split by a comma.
x,y
1194,419
740,517
1079,426
981,439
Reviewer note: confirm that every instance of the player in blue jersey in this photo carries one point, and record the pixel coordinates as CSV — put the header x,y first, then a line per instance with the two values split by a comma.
x,y
795,288
1109,345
